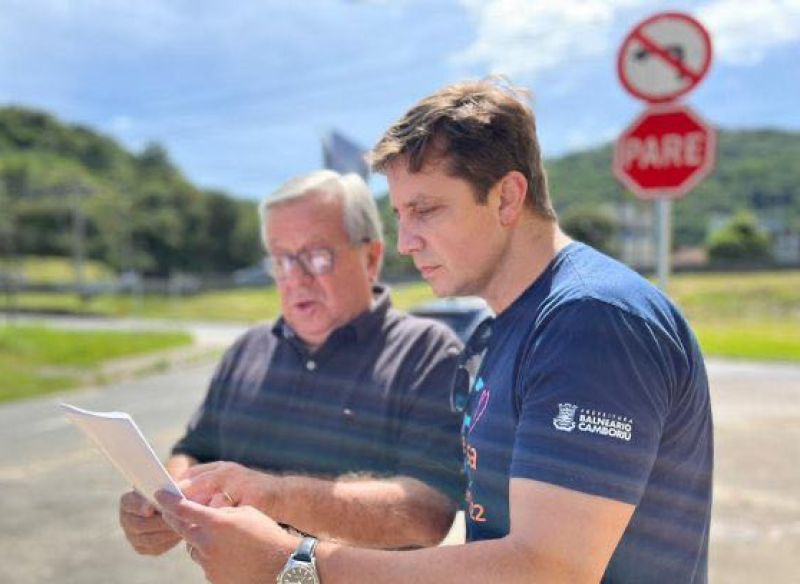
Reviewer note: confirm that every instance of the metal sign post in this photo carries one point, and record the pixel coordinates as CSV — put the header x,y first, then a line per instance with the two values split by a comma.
x,y
664,213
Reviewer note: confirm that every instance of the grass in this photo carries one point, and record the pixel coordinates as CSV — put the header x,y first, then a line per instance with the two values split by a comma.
x,y
762,341
735,296
245,305
741,315
37,360
57,270
749,316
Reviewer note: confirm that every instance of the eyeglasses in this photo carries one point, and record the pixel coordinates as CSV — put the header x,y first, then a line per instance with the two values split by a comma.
x,y
316,261
469,364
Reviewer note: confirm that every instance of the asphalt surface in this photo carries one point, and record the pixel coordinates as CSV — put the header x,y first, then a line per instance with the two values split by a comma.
x,y
58,496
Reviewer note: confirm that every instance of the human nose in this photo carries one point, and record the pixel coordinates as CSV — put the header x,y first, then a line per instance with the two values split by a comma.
x,y
408,241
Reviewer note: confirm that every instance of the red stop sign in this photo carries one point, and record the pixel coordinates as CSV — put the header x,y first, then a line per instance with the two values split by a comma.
x,y
665,152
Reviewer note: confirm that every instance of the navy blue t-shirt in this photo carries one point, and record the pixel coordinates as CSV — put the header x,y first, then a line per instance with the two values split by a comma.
x,y
593,381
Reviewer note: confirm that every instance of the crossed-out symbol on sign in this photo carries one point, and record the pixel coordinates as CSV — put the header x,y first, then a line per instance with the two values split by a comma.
x,y
664,57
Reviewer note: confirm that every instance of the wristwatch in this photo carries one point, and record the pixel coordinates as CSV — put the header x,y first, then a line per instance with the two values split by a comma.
x,y
301,568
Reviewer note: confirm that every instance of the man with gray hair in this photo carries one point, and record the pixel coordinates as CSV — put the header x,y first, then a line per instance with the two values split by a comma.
x,y
335,419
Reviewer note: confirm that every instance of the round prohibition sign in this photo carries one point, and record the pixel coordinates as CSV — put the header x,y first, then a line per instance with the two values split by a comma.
x,y
664,57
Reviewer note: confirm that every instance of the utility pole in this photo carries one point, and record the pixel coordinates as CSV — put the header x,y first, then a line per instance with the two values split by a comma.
x,y
7,237
79,238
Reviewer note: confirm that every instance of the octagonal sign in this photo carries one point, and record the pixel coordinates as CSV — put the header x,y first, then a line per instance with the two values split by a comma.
x,y
665,152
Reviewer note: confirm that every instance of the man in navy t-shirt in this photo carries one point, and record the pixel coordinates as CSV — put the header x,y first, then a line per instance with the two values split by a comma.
x,y
593,381
587,433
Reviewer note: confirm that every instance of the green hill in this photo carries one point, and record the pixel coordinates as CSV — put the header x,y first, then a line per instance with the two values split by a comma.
x,y
137,210
756,171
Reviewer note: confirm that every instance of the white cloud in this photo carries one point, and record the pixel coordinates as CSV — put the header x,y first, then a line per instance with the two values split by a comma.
x,y
529,37
743,31
517,37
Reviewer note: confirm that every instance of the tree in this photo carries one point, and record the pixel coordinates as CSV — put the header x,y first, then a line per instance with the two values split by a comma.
x,y
395,266
740,241
592,225
154,162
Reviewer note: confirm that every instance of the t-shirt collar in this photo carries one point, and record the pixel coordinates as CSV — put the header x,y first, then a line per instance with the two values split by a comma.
x,y
521,302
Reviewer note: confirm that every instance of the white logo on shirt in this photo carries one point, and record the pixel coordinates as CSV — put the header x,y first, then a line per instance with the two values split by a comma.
x,y
565,420
593,421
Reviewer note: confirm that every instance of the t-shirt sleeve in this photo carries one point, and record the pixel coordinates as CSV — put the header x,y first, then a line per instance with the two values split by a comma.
x,y
201,440
429,443
593,390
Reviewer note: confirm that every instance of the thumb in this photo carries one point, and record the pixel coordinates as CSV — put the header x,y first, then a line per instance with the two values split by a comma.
x,y
200,489
186,511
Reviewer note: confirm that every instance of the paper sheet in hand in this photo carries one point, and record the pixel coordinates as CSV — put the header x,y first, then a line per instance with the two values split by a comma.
x,y
119,438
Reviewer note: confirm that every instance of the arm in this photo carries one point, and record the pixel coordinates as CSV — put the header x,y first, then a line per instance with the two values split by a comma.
x,y
414,507
557,535
395,512
142,523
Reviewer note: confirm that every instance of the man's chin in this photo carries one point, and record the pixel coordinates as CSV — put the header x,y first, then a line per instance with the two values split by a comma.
x,y
311,335
448,287
443,287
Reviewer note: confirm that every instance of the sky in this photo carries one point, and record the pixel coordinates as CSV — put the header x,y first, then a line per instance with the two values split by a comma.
x,y
241,93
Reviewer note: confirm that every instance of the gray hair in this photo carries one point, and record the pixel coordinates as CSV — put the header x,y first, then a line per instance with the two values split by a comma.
x,y
361,219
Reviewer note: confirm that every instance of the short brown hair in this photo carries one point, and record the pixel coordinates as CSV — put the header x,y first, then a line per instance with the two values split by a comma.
x,y
481,130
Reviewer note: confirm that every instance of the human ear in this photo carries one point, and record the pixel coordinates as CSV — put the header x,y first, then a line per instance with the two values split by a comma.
x,y
513,189
374,256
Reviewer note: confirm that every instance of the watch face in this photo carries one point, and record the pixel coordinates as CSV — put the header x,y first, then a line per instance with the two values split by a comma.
x,y
299,575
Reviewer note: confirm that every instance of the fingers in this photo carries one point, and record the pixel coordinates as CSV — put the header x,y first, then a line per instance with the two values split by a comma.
x,y
194,553
205,481
133,503
199,469
185,511
155,544
200,489
179,526
144,527
221,499
197,524
218,486
138,525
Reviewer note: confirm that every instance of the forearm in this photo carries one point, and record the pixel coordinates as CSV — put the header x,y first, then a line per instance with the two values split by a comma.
x,y
387,513
503,560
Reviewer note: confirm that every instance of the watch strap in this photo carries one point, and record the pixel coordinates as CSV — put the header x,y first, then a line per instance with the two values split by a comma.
x,y
305,551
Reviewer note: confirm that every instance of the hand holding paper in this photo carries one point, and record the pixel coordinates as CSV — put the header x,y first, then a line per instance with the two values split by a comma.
x,y
119,438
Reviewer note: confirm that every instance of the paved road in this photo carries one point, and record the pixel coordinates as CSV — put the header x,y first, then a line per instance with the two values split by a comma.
x,y
756,519
58,503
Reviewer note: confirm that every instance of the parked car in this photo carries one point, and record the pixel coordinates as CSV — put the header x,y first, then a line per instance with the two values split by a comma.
x,y
462,314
